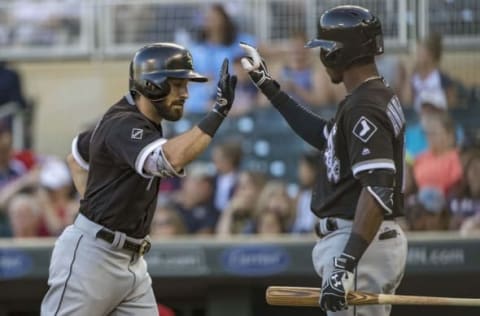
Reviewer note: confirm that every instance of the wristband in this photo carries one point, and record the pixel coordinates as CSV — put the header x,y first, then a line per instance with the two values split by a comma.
x,y
210,123
270,89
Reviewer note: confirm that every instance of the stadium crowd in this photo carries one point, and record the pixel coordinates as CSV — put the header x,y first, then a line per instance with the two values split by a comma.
x,y
223,194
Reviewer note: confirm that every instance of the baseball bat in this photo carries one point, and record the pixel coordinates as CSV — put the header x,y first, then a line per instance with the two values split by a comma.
x,y
310,296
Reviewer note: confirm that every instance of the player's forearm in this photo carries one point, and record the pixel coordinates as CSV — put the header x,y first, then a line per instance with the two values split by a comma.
x,y
304,122
368,218
184,148
79,175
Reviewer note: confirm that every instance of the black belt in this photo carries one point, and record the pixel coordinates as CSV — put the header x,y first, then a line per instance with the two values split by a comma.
x,y
141,249
331,225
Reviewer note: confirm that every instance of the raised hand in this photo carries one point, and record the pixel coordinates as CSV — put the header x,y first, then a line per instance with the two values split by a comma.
x,y
225,90
255,66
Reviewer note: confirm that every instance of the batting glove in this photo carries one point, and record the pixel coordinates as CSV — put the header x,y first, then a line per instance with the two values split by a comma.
x,y
337,285
225,90
257,70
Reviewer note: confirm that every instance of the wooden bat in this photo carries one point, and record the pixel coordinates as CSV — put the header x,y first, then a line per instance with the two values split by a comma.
x,y
310,296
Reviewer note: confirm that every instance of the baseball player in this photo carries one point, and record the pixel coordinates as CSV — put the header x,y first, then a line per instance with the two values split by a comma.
x,y
358,193
97,265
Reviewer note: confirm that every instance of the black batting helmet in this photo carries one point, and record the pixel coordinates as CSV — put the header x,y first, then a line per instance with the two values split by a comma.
x,y
347,33
153,64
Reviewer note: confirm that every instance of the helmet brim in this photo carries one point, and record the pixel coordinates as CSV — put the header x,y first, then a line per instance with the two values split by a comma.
x,y
158,77
195,77
324,44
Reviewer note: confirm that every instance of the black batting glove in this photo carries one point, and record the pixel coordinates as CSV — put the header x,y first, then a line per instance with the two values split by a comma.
x,y
337,285
256,68
225,90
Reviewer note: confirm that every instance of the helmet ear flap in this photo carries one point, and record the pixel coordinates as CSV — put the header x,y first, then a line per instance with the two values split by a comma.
x,y
330,59
153,91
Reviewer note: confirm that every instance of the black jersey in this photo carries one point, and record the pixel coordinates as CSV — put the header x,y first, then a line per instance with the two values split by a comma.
x,y
366,133
119,195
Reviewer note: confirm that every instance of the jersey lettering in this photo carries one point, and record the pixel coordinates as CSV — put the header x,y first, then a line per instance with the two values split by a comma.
x,y
331,161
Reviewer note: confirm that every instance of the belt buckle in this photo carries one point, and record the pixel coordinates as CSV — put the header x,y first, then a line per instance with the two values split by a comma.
x,y
144,247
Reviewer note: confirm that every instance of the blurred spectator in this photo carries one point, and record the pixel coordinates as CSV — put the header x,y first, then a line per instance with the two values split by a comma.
x,y
195,200
56,197
14,174
227,157
437,173
10,168
270,223
274,198
307,174
427,211
465,203
167,222
427,74
50,186
10,86
431,102
11,92
238,217
24,215
393,71
439,167
299,78
218,39
471,226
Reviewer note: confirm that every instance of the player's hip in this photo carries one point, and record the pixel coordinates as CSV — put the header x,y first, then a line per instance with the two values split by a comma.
x,y
115,241
389,229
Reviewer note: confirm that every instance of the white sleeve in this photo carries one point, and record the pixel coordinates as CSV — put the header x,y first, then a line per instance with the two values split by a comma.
x,y
76,155
152,162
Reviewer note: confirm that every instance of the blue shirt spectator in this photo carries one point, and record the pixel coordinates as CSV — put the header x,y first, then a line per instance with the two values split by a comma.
x,y
10,86
299,77
429,101
218,40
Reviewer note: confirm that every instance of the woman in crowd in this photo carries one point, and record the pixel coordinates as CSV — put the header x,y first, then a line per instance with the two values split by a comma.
x,y
218,39
238,217
274,198
437,173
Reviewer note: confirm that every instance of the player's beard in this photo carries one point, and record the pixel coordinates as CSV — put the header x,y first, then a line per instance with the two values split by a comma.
x,y
335,76
172,112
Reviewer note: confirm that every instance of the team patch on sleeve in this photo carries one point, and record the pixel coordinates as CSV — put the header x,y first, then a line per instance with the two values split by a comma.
x,y
364,129
137,133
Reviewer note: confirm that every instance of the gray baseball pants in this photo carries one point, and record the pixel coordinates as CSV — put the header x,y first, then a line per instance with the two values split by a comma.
x,y
380,269
89,276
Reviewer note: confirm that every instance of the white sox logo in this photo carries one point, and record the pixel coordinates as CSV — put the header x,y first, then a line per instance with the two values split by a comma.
x,y
331,161
364,129
189,60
